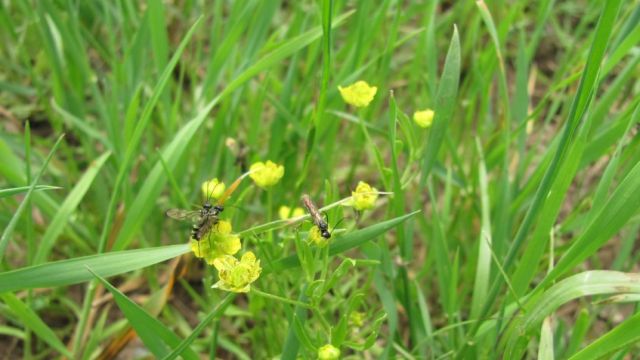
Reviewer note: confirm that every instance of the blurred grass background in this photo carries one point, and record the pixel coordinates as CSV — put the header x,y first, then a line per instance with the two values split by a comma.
x,y
527,176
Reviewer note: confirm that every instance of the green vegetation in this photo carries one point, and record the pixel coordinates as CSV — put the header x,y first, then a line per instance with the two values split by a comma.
x,y
498,222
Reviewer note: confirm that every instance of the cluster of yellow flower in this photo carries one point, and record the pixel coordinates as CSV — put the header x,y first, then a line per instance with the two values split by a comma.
x,y
219,245
360,94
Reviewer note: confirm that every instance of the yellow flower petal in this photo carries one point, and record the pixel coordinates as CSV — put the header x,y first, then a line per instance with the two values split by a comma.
x,y
213,189
364,197
423,118
328,352
359,94
266,174
237,276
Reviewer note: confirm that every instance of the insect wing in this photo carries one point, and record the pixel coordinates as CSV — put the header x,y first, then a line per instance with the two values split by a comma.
x,y
181,214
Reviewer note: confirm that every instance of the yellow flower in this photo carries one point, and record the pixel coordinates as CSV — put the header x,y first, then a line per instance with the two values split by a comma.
x,y
285,212
356,318
315,236
359,94
217,243
328,352
423,118
364,197
266,174
237,276
213,189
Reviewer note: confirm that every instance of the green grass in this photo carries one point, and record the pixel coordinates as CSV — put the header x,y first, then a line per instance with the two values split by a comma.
x,y
510,224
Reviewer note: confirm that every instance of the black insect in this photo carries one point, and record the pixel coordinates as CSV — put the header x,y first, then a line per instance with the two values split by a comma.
x,y
203,220
316,216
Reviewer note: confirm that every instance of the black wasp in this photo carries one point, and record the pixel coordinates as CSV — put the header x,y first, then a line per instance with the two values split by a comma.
x,y
203,220
316,217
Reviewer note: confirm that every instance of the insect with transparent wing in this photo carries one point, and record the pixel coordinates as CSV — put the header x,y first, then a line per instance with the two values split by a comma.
x,y
203,220
207,217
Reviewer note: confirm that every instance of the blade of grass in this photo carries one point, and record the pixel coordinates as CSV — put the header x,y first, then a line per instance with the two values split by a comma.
x,y
19,190
483,267
445,104
73,271
545,349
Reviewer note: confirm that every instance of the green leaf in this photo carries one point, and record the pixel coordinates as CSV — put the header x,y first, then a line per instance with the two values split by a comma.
x,y
32,321
18,190
74,271
346,242
445,104
155,336
545,350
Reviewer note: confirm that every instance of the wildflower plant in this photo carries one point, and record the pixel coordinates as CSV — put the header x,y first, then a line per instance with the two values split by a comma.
x,y
483,241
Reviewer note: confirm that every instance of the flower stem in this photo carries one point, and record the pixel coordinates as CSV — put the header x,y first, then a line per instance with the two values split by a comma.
x,y
275,297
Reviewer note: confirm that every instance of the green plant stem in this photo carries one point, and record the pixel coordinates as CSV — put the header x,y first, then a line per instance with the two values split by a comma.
x,y
278,298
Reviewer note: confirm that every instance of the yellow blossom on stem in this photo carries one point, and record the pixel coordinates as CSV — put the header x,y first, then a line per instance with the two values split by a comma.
x,y
217,243
315,236
237,276
213,189
364,197
266,174
328,352
359,94
356,318
423,118
285,212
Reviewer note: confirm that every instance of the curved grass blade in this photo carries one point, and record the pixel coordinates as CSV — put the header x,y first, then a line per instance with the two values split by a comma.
x,y
74,271
18,190
346,242
14,220
68,207
155,336
32,321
